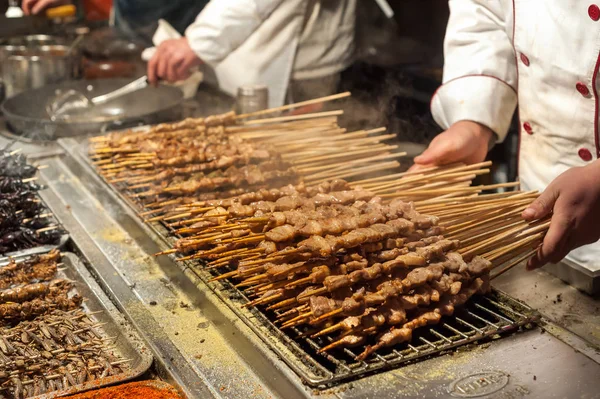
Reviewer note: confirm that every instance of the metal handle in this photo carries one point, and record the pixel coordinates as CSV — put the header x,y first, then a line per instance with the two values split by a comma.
x,y
122,125
137,84
386,8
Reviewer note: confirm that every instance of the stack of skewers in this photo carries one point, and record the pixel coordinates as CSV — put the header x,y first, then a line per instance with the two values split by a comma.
x,y
361,262
24,221
227,155
47,341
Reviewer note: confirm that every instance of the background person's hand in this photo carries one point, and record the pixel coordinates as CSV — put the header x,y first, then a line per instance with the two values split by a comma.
x,y
172,61
34,7
464,141
574,200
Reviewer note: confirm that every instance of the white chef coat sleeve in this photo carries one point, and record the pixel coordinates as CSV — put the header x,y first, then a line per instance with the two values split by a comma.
x,y
223,25
480,72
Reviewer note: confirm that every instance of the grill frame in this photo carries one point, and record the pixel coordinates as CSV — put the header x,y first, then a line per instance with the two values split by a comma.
x,y
311,367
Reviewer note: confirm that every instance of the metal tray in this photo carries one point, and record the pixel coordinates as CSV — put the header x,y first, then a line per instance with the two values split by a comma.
x,y
127,342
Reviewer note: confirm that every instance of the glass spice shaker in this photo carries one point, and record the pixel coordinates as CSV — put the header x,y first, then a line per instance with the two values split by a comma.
x,y
251,98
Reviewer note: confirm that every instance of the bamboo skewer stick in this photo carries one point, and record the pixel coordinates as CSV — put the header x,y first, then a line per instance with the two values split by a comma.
x,y
293,117
516,262
520,243
295,105
355,172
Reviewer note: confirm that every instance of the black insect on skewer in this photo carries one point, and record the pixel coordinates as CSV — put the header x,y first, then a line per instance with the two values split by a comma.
x,y
24,237
11,185
16,166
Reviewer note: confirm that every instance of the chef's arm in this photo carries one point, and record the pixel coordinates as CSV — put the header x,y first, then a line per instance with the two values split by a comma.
x,y
223,25
480,73
478,98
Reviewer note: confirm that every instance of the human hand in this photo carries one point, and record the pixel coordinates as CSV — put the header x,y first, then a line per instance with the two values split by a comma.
x,y
574,200
172,61
34,7
464,141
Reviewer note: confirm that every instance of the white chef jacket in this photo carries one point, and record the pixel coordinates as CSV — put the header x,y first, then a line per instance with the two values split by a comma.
x,y
271,41
543,53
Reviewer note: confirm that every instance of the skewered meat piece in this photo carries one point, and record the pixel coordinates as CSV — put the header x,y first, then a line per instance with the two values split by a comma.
x,y
335,219
343,219
42,268
326,246
321,305
246,175
194,126
392,312
30,291
300,217
227,118
262,194
446,307
214,157
391,288
273,194
25,310
222,162
352,262
419,257
334,197
396,287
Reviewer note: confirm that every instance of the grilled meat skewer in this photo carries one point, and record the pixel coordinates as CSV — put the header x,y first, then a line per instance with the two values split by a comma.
x,y
35,290
40,268
446,307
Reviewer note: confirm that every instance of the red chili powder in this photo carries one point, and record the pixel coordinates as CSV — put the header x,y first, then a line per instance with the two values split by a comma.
x,y
134,390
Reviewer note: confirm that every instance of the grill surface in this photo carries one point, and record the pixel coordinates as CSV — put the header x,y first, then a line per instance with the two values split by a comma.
x,y
483,317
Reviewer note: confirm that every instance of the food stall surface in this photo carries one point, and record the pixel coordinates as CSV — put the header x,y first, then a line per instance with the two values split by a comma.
x,y
202,345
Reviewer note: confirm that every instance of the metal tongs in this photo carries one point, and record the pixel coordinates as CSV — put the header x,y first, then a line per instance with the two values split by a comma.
x,y
70,102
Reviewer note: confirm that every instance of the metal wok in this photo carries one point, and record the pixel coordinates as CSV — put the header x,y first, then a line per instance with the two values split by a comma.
x,y
26,113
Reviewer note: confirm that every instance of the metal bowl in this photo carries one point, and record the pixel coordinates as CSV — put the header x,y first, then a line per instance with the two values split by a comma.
x,y
24,68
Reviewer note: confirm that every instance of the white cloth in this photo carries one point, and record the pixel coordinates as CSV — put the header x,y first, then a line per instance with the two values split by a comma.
x,y
271,41
545,53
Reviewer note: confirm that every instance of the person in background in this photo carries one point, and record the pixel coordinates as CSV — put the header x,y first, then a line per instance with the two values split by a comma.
x,y
545,55
296,47
137,19
35,7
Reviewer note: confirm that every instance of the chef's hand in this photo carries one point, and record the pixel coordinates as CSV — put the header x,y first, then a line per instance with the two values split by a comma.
x,y
574,200
172,61
37,6
464,141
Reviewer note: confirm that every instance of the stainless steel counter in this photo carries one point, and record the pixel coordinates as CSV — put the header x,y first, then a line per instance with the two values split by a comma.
x,y
202,346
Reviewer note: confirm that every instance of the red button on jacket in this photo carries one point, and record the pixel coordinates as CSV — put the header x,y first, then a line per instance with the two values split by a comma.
x,y
585,154
581,88
524,59
594,12
527,128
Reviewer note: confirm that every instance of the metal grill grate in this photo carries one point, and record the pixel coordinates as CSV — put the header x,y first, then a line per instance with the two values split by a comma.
x,y
483,317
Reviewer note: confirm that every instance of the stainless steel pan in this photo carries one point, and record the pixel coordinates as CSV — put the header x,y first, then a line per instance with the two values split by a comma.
x,y
26,112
